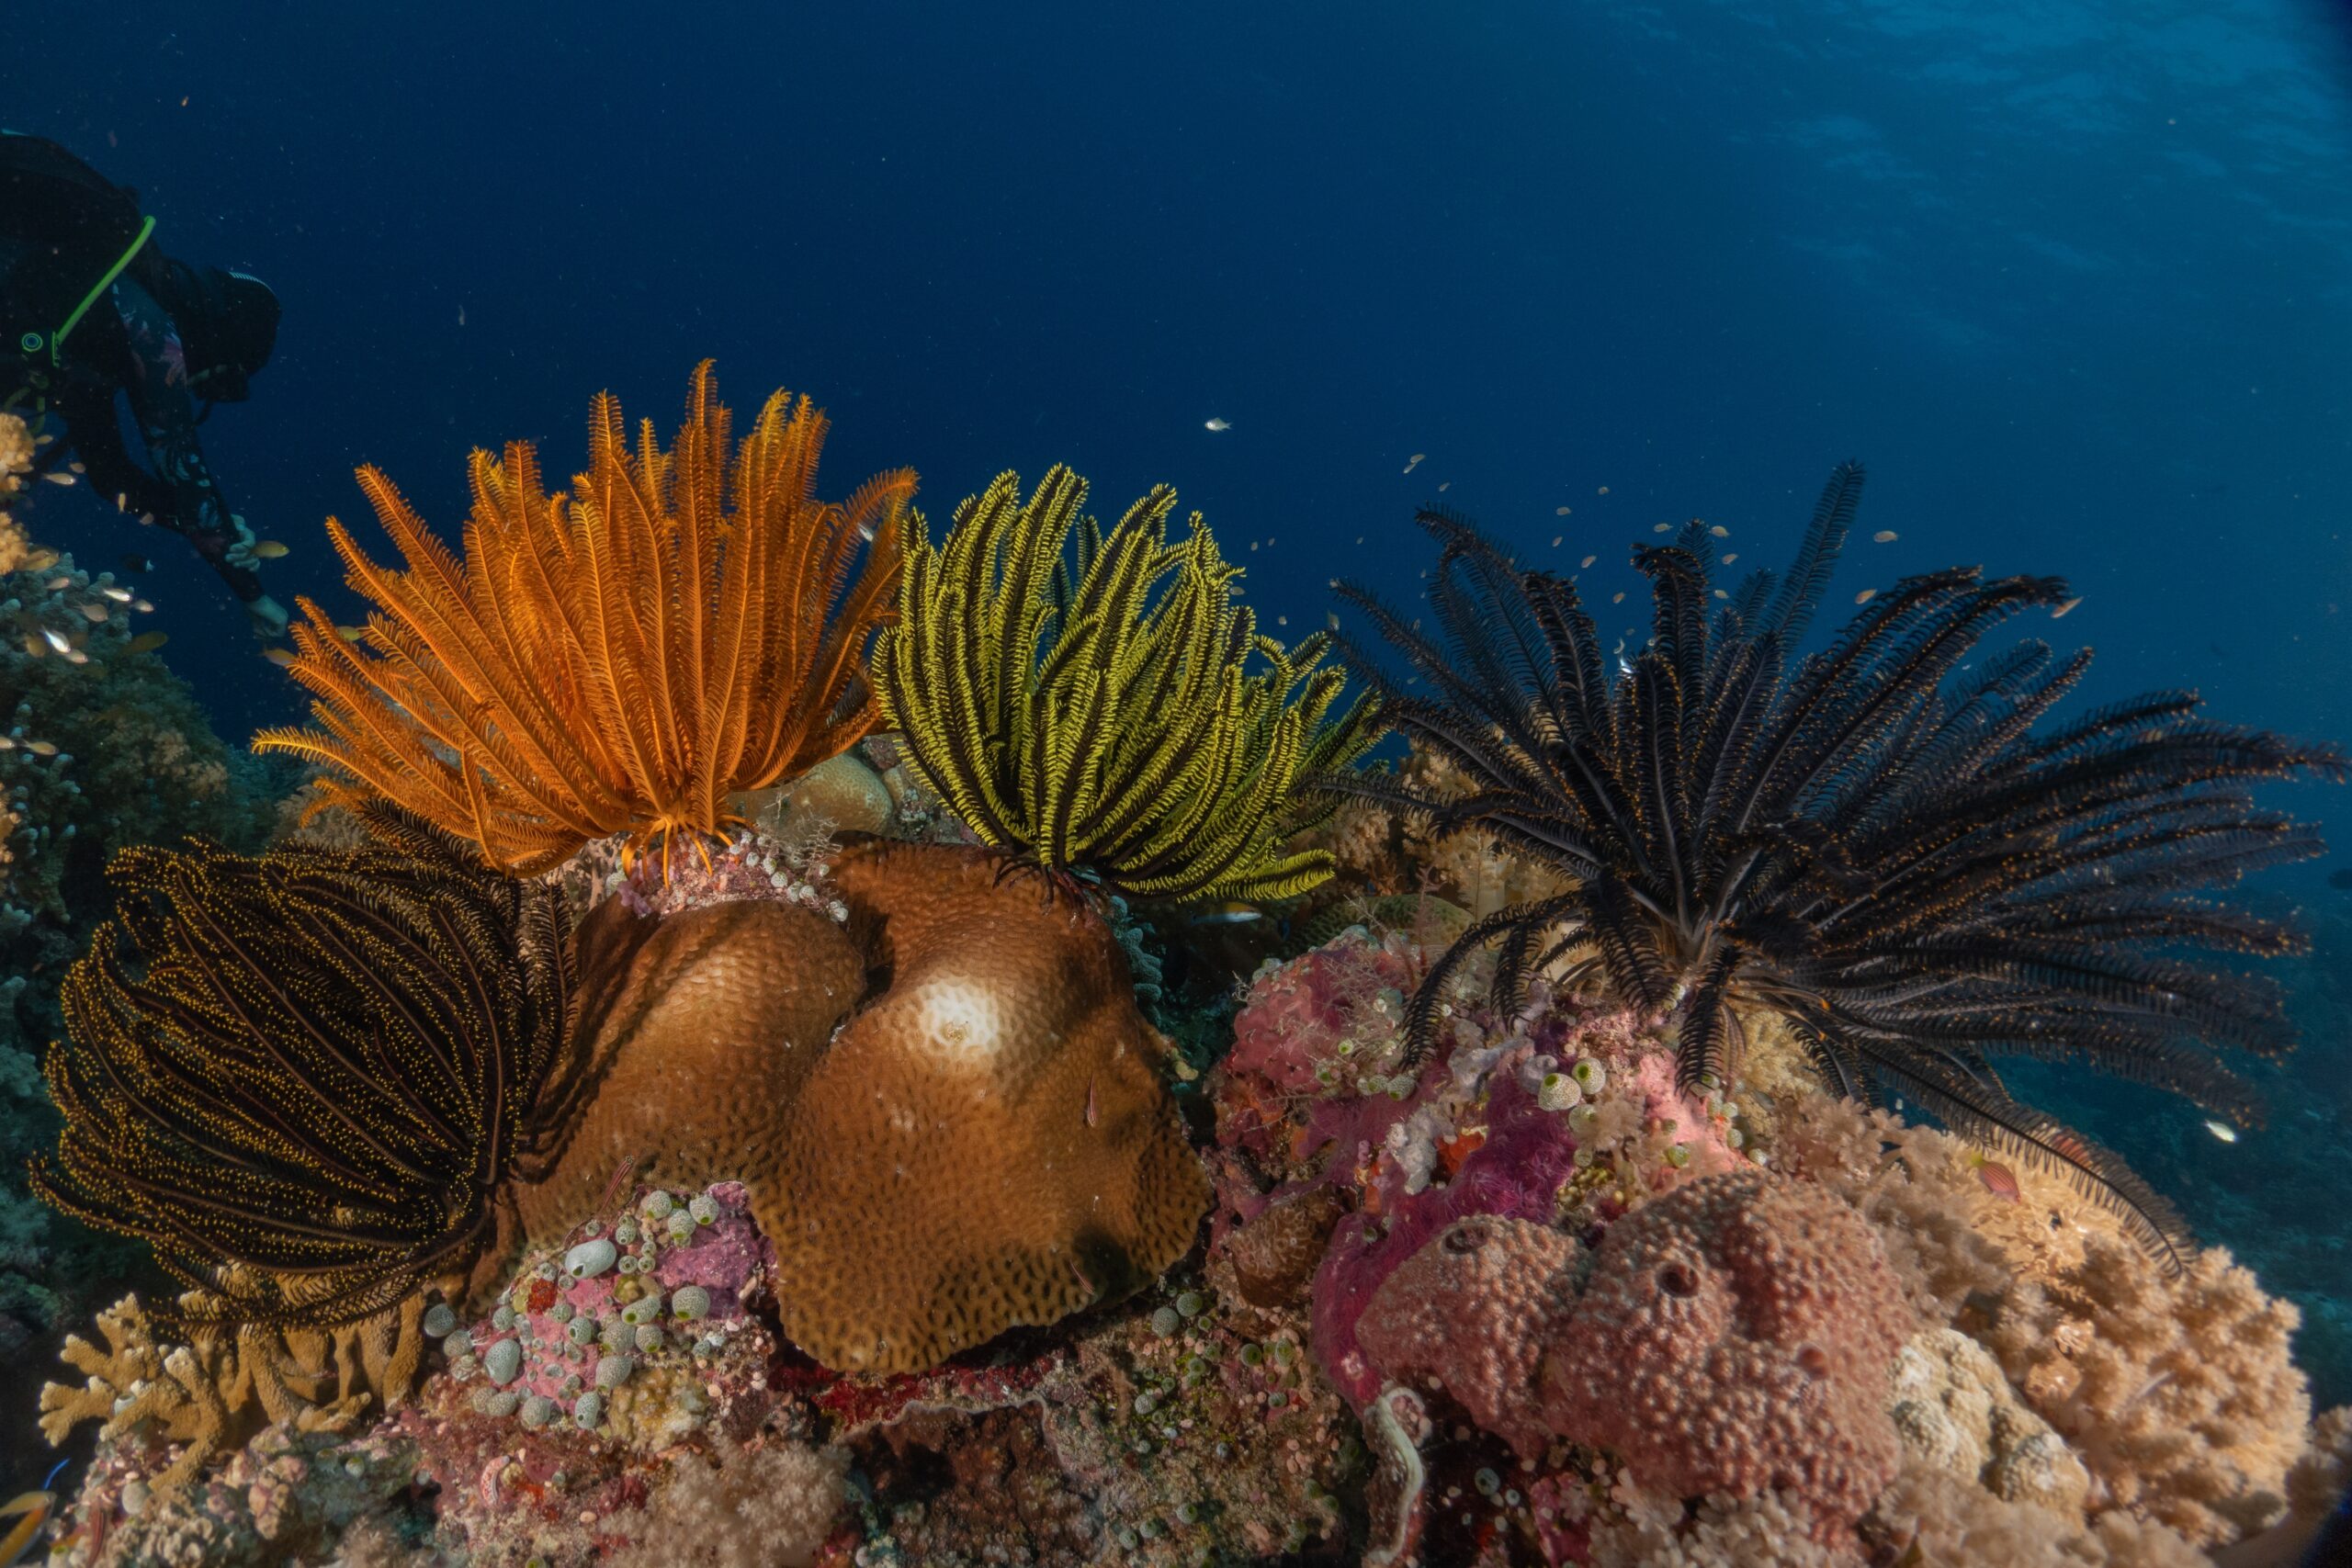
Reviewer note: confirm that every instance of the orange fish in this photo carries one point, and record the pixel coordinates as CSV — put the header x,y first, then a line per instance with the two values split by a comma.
x,y
2000,1180
36,1508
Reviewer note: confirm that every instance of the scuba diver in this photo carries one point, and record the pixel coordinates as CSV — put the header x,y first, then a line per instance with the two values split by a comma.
x,y
90,308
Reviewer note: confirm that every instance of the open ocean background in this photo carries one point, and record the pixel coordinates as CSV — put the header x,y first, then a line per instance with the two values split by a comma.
x,y
2075,281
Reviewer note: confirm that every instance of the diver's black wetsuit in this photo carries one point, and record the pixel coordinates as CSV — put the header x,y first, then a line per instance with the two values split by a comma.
x,y
61,230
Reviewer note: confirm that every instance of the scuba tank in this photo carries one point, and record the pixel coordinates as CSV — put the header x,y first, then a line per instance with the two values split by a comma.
x,y
66,233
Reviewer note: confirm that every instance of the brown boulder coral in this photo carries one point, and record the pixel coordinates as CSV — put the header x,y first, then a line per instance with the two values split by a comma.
x,y
984,1142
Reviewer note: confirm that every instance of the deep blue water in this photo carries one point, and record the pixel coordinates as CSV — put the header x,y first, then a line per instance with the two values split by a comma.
x,y
2075,280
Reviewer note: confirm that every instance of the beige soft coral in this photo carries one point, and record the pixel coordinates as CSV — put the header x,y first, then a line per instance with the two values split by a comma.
x,y
2181,1395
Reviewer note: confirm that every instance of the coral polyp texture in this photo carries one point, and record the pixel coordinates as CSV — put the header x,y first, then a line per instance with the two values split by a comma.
x,y
612,659
1084,699
1872,844
1735,1338
306,1078
979,1141
988,1142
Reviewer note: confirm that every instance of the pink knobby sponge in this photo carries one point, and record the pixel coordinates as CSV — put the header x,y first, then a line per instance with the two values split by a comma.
x,y
1515,1173
1474,1310
1738,1334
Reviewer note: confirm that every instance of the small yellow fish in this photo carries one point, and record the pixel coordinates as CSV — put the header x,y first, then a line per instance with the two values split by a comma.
x,y
2061,610
1415,461
41,748
277,655
34,646
351,634
1617,597
96,613
1556,540
1661,527
1884,537
1721,594
1587,563
148,642
1446,486
41,559
55,478
1559,512
1731,558
268,550
1218,424
1720,532
2222,1130
1866,595
1604,490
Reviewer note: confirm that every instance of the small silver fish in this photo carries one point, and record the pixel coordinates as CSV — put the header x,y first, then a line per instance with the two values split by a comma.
x,y
2059,612
1219,424
1884,537
2222,1130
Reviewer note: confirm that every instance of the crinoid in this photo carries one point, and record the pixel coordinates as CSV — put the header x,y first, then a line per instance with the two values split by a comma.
x,y
683,625
1089,708
305,1079
1873,841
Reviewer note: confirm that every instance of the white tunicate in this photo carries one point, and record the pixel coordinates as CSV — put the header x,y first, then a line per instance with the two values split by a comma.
x,y
704,1208
503,1361
538,1410
582,1329
590,1259
614,1371
502,1319
690,1302
657,1206
439,1320
645,1309
1559,1091
682,1225
588,1411
649,1337
626,1232
1591,1076
457,1344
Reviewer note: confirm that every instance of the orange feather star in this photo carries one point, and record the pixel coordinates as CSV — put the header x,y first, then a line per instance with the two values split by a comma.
x,y
620,658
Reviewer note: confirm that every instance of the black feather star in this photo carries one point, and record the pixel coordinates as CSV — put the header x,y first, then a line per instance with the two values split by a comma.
x,y
1873,841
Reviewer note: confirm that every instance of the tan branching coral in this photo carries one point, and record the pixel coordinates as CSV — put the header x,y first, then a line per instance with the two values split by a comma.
x,y
213,1393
